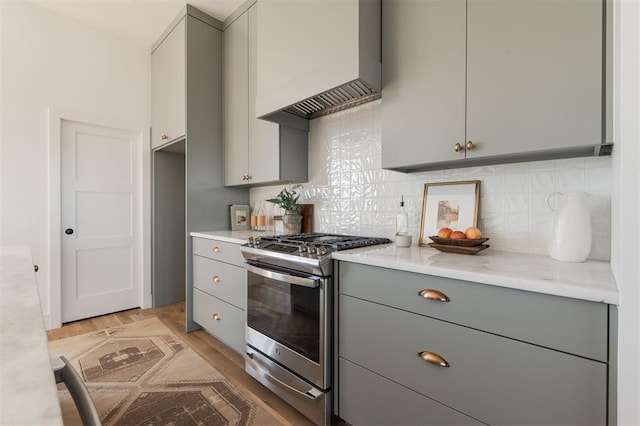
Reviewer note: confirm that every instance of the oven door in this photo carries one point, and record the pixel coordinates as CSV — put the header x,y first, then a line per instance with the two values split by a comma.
x,y
287,320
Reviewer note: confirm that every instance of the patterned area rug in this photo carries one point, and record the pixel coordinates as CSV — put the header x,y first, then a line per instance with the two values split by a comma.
x,y
142,374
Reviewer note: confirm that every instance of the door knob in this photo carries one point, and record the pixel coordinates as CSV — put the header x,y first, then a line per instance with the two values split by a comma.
x,y
457,147
68,231
470,146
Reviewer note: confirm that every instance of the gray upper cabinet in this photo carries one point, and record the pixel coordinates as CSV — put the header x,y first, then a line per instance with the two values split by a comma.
x,y
168,77
423,72
257,152
479,82
236,101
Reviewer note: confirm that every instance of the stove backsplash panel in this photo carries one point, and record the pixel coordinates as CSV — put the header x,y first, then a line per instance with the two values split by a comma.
x,y
352,194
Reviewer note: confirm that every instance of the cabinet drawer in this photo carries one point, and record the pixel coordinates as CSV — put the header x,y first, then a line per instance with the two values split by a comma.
x,y
222,280
570,325
491,378
229,325
367,398
218,250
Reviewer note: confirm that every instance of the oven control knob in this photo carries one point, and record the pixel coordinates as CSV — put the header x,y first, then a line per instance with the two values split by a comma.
x,y
312,249
302,248
250,241
322,251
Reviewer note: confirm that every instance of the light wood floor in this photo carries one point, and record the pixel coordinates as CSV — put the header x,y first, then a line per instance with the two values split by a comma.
x,y
228,362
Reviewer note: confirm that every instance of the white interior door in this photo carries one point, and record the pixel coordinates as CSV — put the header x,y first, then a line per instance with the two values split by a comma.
x,y
100,202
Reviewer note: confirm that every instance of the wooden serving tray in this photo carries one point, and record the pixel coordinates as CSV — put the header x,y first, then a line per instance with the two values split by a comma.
x,y
465,242
448,248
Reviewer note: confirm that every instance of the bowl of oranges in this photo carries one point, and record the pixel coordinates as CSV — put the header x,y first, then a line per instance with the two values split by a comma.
x,y
449,240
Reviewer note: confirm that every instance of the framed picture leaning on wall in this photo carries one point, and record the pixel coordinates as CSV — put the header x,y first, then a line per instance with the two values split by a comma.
x,y
448,205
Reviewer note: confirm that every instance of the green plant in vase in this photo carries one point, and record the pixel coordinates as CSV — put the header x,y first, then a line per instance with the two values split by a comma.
x,y
287,199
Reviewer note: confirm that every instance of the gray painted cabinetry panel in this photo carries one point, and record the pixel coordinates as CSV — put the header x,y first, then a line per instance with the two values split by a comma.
x,y
521,80
220,290
491,378
423,81
370,399
206,200
168,88
496,355
257,152
218,250
219,279
569,325
222,320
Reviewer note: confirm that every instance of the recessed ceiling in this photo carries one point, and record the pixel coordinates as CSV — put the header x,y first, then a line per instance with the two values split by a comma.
x,y
140,20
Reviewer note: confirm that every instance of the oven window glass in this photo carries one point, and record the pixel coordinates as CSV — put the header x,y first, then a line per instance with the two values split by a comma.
x,y
287,313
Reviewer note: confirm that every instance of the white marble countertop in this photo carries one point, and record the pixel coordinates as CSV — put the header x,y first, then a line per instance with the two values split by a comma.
x,y
28,393
591,280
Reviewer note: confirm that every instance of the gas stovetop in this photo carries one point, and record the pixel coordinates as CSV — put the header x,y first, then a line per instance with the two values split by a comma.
x,y
310,252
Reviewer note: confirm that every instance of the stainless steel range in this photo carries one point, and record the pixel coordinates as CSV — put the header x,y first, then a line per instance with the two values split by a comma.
x,y
289,313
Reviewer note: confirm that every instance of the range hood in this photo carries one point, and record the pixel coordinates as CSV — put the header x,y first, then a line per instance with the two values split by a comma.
x,y
316,57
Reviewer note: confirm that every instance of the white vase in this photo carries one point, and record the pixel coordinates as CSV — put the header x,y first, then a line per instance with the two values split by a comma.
x,y
570,239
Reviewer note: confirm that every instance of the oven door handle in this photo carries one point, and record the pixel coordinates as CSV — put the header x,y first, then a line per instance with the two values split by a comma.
x,y
311,282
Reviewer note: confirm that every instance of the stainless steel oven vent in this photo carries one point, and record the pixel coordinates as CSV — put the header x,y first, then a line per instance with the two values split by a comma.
x,y
349,95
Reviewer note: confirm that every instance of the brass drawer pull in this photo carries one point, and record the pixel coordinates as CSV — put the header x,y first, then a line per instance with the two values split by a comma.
x,y
431,294
217,317
457,147
164,137
470,146
216,249
433,358
216,279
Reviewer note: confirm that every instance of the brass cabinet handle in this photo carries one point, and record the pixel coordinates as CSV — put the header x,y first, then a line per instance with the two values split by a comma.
x,y
217,317
431,294
164,137
470,146
457,147
244,177
216,249
433,358
216,279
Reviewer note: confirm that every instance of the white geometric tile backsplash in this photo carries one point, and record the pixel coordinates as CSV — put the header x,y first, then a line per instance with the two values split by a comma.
x,y
352,194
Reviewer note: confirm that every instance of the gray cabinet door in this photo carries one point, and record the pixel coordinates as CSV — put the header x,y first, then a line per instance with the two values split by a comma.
x,y
534,75
236,98
220,319
168,94
264,136
490,378
368,399
423,81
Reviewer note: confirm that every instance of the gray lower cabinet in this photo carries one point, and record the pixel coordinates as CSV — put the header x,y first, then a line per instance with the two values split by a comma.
x,y
371,399
463,365
220,290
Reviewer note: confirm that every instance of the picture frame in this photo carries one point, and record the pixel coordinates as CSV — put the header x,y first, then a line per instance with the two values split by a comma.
x,y
448,204
239,215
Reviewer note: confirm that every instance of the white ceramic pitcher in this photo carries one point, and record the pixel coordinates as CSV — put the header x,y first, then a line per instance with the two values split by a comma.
x,y
570,239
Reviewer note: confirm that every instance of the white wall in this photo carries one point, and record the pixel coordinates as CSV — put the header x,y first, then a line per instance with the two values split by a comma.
x,y
49,60
625,255
352,194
